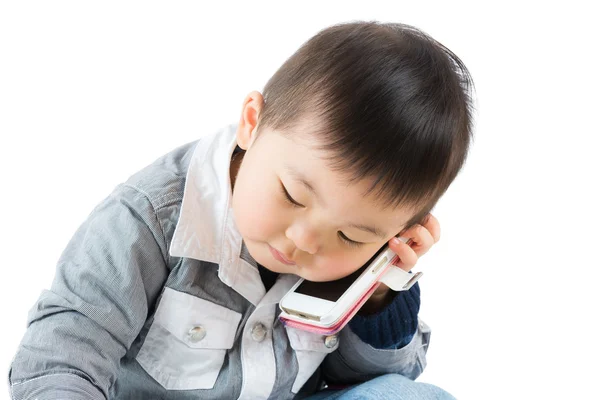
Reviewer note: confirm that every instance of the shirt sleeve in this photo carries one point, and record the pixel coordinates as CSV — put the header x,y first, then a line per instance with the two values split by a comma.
x,y
394,340
110,272
393,326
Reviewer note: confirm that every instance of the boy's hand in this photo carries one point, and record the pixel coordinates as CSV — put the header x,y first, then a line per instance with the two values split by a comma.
x,y
422,237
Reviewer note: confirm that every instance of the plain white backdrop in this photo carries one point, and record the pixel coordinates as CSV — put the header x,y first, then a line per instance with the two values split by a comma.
x,y
91,92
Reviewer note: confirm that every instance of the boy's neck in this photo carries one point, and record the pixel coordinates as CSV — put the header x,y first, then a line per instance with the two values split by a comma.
x,y
234,167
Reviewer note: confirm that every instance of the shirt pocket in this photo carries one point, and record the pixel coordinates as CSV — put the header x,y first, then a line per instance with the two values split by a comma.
x,y
186,345
310,350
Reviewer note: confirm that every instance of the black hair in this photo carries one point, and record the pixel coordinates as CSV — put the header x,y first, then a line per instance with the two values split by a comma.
x,y
393,105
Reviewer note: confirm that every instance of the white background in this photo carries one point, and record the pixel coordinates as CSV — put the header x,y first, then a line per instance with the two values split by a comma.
x,y
92,92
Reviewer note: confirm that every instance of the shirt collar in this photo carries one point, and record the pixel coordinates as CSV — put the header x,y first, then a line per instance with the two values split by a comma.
x,y
206,229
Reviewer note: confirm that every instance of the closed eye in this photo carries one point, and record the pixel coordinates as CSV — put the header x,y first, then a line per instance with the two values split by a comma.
x,y
289,198
348,241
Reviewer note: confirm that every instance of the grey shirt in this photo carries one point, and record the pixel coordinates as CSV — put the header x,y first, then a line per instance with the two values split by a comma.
x,y
156,296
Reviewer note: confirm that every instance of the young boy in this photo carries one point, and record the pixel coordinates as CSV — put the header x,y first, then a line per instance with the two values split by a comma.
x,y
170,288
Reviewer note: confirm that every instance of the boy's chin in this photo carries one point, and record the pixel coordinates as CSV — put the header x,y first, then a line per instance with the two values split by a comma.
x,y
296,270
282,269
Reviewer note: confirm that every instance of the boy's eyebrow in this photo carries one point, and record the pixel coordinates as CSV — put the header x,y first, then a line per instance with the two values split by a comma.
x,y
299,177
369,229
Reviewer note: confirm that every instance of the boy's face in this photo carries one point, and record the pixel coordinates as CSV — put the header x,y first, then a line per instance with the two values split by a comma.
x,y
321,233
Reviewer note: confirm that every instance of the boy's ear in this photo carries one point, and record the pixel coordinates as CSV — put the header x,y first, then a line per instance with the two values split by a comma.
x,y
246,131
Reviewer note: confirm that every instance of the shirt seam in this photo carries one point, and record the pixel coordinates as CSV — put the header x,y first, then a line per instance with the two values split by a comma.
x,y
154,212
51,374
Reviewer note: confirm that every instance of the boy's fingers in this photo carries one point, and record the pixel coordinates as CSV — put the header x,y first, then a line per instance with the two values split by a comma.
x,y
408,258
421,237
433,226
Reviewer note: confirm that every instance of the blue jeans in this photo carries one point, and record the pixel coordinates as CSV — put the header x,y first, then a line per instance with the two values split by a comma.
x,y
390,386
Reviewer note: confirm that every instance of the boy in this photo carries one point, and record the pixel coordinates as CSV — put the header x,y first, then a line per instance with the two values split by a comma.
x,y
170,288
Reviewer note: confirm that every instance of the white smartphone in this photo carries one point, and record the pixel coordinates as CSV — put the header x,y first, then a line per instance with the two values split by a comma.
x,y
325,303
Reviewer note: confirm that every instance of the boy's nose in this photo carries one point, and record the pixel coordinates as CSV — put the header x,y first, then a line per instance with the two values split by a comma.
x,y
304,239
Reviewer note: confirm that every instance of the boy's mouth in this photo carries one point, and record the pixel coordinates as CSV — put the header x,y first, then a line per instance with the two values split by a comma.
x,y
280,257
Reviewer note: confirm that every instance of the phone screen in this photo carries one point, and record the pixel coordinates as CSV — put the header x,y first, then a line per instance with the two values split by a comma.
x,y
333,290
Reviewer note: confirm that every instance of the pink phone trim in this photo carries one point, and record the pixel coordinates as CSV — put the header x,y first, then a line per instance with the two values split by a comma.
x,y
344,319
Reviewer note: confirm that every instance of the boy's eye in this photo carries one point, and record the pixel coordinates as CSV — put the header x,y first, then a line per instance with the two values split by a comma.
x,y
345,239
289,198
348,241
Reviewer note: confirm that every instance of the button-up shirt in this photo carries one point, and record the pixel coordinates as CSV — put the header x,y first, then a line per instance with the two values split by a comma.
x,y
156,296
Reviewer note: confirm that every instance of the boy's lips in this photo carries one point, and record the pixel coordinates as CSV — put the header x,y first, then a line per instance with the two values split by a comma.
x,y
280,257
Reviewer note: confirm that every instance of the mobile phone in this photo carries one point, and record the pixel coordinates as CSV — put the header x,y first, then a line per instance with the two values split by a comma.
x,y
315,327
323,304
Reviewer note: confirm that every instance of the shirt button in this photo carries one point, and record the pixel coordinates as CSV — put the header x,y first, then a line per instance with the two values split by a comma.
x,y
331,341
196,334
259,332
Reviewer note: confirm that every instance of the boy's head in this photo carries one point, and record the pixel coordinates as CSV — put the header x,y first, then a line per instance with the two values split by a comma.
x,y
354,139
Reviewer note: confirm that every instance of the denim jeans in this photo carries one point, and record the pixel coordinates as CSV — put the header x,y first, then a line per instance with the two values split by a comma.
x,y
389,387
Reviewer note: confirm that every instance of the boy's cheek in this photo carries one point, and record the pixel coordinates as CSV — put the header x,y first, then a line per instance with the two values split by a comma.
x,y
339,271
335,266
257,217
341,264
